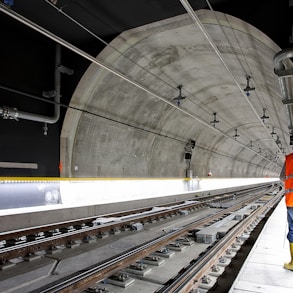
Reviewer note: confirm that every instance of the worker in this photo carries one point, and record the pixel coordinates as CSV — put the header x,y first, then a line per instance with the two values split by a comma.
x,y
287,176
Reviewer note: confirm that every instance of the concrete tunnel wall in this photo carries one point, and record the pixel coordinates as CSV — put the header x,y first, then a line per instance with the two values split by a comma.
x,y
127,132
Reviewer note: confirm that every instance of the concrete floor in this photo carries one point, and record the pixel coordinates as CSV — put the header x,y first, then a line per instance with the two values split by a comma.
x,y
263,270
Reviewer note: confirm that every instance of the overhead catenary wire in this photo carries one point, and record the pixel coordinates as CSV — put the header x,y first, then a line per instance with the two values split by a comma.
x,y
247,70
87,56
115,121
60,10
156,76
197,21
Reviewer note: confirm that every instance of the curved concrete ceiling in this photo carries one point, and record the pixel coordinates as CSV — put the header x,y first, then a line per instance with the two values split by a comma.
x,y
130,125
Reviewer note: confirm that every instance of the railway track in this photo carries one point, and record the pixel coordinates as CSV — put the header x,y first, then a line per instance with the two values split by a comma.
x,y
189,277
25,242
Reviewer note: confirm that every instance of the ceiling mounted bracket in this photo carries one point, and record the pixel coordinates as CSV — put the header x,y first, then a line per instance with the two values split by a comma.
x,y
66,70
273,131
180,97
215,119
264,116
248,88
236,134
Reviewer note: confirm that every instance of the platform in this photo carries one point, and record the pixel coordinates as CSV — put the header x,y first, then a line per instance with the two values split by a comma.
x,y
263,269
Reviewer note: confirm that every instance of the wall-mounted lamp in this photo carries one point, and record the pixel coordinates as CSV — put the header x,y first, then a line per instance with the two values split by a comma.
x,y
190,145
188,149
187,156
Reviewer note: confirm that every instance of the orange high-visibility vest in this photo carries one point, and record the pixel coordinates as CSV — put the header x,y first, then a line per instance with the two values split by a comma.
x,y
289,181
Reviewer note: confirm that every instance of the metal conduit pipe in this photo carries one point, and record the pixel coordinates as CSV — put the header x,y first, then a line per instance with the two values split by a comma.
x,y
284,73
13,113
78,51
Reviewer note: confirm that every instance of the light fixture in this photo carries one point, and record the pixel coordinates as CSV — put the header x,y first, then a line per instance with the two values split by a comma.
x,y
248,87
180,97
236,135
215,119
192,143
187,156
263,117
188,149
273,131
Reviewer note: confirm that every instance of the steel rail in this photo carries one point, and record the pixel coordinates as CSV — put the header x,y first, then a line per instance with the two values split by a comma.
x,y
189,280
34,230
31,246
89,276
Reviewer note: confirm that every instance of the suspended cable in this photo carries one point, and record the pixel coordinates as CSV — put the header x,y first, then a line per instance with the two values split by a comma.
x,y
247,71
87,56
193,15
60,10
157,77
115,121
